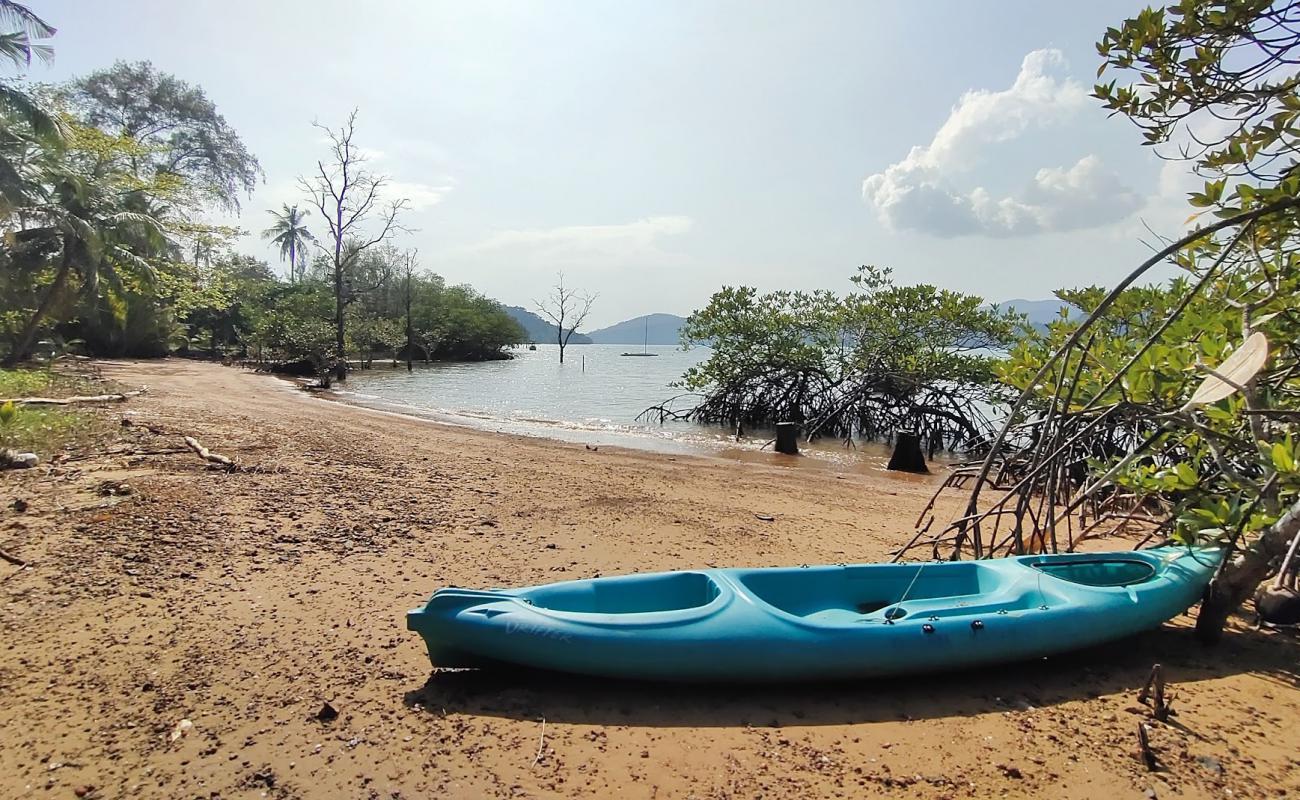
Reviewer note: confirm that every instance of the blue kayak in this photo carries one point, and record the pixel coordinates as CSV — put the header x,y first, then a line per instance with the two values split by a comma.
x,y
815,623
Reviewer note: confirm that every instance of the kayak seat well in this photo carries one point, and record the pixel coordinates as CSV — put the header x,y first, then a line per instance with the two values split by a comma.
x,y
1098,571
849,594
631,594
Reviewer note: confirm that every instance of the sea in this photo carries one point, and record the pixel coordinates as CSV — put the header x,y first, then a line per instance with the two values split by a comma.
x,y
594,398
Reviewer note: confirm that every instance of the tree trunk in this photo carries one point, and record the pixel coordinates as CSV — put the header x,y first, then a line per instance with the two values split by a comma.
x,y
787,438
907,456
410,341
1239,578
28,335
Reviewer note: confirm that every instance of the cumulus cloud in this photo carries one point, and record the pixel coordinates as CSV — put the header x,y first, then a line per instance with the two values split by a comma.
x,y
922,192
417,195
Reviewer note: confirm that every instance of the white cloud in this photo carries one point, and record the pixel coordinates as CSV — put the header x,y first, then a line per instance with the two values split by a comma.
x,y
921,193
418,195
587,239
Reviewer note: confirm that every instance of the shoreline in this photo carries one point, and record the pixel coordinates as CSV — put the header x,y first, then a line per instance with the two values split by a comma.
x,y
864,457
241,602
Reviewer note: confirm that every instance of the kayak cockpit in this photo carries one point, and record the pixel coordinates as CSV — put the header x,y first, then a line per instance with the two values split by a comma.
x,y
856,593
630,594
1102,572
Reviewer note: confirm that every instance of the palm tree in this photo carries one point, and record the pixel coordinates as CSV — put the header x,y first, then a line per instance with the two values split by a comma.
x,y
84,224
292,237
25,123
18,44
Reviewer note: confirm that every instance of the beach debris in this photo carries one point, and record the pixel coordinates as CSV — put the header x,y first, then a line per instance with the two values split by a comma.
x,y
19,505
111,488
12,559
327,713
1238,369
13,459
67,401
84,790
541,743
214,459
181,729
766,517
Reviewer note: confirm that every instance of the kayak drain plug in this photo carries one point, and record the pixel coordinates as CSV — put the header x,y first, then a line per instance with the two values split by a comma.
x,y
928,628
977,625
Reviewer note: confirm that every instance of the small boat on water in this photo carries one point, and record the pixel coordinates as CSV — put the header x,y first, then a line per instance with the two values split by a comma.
x,y
645,345
815,623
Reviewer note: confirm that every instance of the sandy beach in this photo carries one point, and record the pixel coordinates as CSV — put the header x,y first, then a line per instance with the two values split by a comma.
x,y
179,629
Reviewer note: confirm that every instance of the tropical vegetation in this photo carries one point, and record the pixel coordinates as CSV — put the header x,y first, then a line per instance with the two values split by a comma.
x,y
105,183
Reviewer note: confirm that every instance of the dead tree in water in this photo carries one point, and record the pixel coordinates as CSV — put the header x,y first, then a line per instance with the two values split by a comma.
x,y
565,306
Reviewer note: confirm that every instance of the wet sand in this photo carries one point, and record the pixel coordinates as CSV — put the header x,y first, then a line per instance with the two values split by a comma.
x,y
242,602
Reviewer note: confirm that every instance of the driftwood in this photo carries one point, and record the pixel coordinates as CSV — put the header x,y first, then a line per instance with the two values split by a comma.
x,y
213,459
216,459
68,401
13,559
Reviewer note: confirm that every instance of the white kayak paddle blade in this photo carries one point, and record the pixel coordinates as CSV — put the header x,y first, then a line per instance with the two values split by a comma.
x,y
1236,370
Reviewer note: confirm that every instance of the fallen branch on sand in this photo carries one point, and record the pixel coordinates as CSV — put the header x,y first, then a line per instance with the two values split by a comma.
x,y
67,401
12,559
213,459
216,459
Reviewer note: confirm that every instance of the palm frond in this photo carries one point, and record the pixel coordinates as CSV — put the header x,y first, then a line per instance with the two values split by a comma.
x,y
46,125
19,16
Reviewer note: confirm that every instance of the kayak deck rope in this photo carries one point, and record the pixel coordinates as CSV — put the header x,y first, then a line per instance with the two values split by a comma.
x,y
889,619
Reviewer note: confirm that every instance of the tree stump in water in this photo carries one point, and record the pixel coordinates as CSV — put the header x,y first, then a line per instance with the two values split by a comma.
x,y
907,456
787,438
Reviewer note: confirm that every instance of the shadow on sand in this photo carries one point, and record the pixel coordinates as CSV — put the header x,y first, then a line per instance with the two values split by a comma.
x,y
1118,667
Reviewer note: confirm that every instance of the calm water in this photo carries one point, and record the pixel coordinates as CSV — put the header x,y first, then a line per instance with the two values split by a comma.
x,y
593,398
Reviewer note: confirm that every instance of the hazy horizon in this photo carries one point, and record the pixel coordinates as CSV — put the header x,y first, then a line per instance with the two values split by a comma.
x,y
658,151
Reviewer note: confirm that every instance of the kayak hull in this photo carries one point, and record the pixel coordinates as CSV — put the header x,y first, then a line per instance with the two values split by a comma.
x,y
815,623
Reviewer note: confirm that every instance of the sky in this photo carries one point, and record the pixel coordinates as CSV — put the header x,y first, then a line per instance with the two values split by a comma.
x,y
657,150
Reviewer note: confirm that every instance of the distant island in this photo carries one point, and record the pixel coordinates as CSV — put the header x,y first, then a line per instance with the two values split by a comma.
x,y
661,329
665,329
539,330
1039,312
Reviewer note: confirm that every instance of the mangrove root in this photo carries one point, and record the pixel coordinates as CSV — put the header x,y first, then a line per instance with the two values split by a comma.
x,y
1154,690
1144,748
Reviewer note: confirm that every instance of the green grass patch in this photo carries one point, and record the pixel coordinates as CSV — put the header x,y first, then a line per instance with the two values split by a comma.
x,y
49,430
24,382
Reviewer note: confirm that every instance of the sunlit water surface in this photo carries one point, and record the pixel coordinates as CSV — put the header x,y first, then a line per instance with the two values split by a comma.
x,y
593,398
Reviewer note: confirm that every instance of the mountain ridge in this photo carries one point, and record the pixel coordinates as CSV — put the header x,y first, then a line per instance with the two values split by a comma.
x,y
538,329
657,328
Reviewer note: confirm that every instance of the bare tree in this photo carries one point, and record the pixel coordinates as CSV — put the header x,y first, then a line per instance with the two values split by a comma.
x,y
566,308
348,197
409,261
